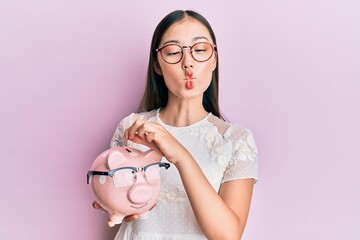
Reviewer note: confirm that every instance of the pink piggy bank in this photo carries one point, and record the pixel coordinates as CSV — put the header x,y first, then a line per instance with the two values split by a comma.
x,y
125,181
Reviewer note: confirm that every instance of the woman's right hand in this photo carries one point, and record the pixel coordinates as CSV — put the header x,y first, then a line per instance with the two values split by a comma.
x,y
156,137
129,218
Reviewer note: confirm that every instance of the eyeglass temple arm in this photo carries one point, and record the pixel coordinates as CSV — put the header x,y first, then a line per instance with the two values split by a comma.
x,y
110,173
165,165
97,173
160,164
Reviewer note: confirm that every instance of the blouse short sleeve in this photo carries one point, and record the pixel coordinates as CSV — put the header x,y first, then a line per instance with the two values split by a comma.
x,y
243,163
118,137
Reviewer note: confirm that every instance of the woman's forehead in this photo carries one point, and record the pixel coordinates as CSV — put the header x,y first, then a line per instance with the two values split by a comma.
x,y
186,31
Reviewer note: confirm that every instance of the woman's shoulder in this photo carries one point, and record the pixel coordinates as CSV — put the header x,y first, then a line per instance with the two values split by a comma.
x,y
146,116
243,142
239,137
230,131
237,131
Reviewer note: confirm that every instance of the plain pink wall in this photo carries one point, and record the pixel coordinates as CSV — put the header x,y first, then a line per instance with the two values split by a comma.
x,y
290,71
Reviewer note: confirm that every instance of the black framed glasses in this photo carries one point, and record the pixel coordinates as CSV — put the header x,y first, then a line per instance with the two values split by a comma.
x,y
174,53
125,177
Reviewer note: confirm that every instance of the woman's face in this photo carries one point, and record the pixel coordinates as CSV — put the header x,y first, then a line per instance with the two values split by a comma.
x,y
188,78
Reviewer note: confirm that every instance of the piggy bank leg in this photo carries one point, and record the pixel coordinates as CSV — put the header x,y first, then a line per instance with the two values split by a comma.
x,y
115,219
144,215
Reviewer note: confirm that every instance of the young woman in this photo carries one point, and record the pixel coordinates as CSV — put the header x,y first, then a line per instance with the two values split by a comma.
x,y
206,194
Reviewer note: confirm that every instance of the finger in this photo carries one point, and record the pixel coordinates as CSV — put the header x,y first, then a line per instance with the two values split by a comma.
x,y
111,224
139,140
132,130
126,135
97,206
131,218
145,129
142,131
145,142
150,138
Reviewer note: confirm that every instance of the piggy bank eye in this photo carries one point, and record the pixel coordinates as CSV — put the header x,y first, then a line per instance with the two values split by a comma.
x,y
102,180
124,178
152,174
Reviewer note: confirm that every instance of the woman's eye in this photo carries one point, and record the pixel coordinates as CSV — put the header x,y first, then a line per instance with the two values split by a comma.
x,y
172,53
199,51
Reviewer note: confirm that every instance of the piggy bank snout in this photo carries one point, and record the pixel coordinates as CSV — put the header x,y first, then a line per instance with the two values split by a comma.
x,y
140,193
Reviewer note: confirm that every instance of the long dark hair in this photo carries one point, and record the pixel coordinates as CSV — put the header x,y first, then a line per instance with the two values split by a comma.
x,y
156,92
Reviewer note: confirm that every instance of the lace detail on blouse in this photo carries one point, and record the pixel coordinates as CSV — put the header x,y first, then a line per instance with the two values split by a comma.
x,y
223,151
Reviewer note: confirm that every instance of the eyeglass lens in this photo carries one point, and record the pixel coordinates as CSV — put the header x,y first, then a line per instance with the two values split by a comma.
x,y
152,174
126,178
173,53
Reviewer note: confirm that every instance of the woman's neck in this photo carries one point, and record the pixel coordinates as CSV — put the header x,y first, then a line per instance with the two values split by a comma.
x,y
182,113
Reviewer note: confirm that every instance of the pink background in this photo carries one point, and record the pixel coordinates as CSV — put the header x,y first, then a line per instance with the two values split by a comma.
x,y
290,71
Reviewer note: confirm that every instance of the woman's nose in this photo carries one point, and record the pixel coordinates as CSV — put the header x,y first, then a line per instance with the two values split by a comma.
x,y
187,60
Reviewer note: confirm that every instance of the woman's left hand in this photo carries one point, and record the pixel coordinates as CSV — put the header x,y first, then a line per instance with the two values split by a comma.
x,y
157,138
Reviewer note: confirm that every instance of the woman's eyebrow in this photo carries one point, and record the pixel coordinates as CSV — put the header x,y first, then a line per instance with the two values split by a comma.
x,y
200,38
177,42
170,41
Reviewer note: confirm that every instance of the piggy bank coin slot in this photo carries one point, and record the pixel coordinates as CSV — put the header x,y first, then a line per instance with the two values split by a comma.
x,y
131,153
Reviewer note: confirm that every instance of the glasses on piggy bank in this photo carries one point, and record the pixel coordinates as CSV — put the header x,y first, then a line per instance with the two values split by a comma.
x,y
125,177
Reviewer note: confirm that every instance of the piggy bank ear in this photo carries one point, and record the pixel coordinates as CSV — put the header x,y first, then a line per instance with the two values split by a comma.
x,y
155,156
114,159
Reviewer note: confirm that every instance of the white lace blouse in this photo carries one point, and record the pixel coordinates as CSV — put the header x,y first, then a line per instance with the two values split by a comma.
x,y
224,152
